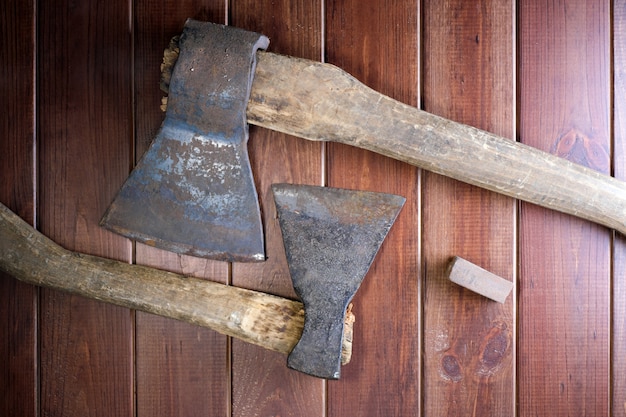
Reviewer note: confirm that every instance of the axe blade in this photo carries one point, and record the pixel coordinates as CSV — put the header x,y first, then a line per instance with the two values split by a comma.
x,y
193,191
331,237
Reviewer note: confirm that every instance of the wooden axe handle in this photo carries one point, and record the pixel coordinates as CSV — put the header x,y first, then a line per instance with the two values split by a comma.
x,y
265,320
321,102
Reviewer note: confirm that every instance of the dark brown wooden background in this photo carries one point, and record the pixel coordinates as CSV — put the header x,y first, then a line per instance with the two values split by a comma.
x,y
79,104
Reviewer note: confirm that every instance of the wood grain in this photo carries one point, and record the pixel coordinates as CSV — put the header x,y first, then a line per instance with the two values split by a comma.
x,y
468,61
564,280
377,43
85,125
95,112
262,384
18,302
181,369
618,330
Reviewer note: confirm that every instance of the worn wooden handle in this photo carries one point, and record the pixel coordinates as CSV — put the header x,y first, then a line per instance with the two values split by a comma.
x,y
265,320
321,102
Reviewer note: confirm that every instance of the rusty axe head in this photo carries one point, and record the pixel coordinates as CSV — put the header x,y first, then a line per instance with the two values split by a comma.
x,y
331,237
193,191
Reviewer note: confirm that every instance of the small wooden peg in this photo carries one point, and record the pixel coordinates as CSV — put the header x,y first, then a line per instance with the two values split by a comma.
x,y
475,278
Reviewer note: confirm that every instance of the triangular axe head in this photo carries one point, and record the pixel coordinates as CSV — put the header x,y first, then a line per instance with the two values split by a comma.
x,y
331,237
193,191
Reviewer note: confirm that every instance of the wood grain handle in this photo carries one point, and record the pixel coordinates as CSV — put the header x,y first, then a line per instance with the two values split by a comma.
x,y
265,320
321,102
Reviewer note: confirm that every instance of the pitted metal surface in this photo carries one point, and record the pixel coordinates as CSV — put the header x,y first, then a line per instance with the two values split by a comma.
x,y
193,191
331,238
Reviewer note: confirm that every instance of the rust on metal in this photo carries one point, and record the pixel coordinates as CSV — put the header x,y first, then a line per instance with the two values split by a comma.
x,y
331,238
193,191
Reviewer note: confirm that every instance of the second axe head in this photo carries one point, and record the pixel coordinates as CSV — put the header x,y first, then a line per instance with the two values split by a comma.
x,y
331,237
193,191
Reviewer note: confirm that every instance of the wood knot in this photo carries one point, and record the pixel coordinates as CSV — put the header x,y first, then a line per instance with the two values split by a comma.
x,y
451,368
577,147
494,349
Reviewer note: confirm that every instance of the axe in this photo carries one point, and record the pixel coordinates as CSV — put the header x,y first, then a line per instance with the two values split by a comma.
x,y
193,191
331,237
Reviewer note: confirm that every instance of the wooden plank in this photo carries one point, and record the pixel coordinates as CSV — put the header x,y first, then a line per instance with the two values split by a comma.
x,y
84,109
378,45
262,384
618,336
564,293
181,369
468,76
18,302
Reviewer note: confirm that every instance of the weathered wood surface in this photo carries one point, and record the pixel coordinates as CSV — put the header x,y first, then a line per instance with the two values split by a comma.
x,y
469,341
389,294
18,301
174,354
261,384
80,99
84,128
565,271
618,331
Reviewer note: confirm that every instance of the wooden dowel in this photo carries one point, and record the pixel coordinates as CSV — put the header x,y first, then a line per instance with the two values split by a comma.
x,y
479,280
